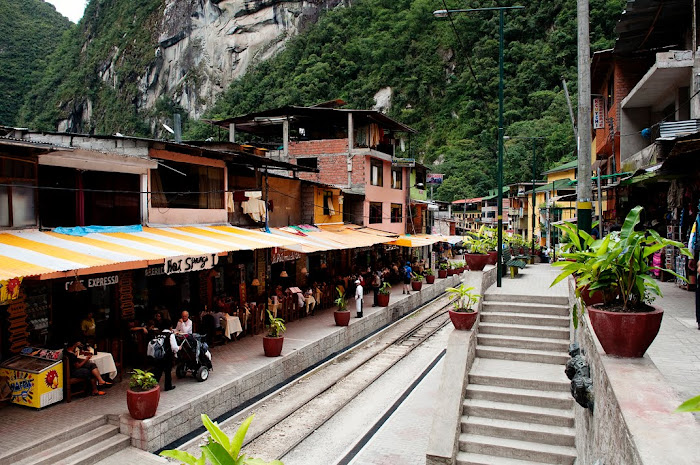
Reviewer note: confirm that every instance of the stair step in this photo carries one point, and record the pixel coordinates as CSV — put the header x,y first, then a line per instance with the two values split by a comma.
x,y
548,399
531,299
521,375
541,434
517,412
55,453
506,329
523,355
520,342
525,319
532,308
512,448
98,451
470,458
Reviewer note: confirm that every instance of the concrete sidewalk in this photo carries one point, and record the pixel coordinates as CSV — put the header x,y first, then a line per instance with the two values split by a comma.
x,y
240,370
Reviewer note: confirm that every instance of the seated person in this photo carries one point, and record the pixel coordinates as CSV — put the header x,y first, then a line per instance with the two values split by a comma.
x,y
87,326
84,368
218,315
159,323
184,324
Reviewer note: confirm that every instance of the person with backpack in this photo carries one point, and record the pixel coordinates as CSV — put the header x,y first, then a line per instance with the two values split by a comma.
x,y
163,349
407,275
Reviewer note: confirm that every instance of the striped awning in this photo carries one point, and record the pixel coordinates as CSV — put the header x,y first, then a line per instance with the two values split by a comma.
x,y
331,237
52,255
418,240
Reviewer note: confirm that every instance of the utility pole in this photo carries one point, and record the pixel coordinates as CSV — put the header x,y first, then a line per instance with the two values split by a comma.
x,y
534,198
584,191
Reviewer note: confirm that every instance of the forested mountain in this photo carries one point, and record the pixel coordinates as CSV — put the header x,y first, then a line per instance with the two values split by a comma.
x,y
443,76
31,30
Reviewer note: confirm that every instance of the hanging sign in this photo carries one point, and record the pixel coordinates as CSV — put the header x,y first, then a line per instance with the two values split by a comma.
x,y
598,113
190,263
9,290
434,178
280,255
97,282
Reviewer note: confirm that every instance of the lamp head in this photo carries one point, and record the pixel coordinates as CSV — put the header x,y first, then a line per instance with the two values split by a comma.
x,y
440,13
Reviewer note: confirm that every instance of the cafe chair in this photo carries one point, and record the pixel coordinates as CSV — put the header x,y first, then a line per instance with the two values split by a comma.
x,y
73,386
118,356
214,335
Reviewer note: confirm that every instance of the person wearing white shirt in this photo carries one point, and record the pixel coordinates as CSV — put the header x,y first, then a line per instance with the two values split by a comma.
x,y
184,324
358,298
165,364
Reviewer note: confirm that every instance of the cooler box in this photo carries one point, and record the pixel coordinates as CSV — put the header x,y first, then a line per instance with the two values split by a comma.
x,y
35,377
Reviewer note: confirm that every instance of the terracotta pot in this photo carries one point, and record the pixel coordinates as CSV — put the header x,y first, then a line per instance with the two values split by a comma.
x,y
416,285
273,346
383,300
450,272
463,321
144,404
591,298
493,257
442,274
625,334
430,279
476,262
342,318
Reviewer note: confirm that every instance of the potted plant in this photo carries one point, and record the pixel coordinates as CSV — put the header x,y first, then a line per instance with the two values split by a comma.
x,y
443,269
463,299
143,395
342,314
417,282
478,246
384,294
429,276
272,343
619,265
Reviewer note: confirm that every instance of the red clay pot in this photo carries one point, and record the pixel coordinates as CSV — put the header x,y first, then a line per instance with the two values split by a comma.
x,y
463,321
273,345
493,257
625,334
591,298
383,299
144,404
442,274
341,318
416,285
476,262
430,279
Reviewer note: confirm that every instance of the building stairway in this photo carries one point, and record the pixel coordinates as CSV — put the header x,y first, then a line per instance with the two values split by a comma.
x,y
518,409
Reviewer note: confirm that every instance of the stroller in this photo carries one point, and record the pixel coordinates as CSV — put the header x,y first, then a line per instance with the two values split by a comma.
x,y
193,357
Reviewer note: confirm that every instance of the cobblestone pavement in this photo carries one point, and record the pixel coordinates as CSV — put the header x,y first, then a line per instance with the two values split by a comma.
x,y
676,350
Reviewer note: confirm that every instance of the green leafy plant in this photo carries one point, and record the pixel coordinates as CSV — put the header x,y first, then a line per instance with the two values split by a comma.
x,y
417,277
429,272
482,241
444,266
276,327
340,302
690,405
142,380
220,449
384,289
462,297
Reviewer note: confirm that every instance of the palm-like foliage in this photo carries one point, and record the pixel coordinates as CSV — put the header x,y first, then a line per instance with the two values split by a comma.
x,y
463,298
340,301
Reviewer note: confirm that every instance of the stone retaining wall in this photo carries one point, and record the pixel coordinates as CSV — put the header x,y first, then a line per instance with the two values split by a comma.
x,y
157,432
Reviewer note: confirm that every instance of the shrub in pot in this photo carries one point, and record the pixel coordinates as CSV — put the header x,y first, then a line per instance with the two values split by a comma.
x,y
272,343
429,276
342,314
478,245
463,299
384,294
143,395
619,266
417,282
443,269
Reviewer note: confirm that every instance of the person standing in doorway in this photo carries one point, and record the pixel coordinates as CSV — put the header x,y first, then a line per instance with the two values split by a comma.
x,y
165,364
358,298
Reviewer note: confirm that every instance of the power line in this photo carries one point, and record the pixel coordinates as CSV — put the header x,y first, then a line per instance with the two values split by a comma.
x,y
663,120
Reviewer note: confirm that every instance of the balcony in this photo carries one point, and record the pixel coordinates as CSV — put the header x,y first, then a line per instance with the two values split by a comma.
x,y
672,70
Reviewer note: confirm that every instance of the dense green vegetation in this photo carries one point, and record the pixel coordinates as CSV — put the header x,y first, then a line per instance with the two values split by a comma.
x,y
31,30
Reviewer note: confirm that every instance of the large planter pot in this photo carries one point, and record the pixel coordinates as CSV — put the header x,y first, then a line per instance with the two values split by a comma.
x,y
416,285
442,274
493,257
463,320
476,262
430,279
273,346
342,318
591,298
144,404
625,334
383,300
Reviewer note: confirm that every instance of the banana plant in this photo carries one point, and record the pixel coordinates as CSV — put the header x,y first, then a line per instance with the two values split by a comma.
x,y
220,449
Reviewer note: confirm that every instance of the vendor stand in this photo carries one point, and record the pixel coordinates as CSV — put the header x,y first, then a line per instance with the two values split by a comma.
x,y
35,377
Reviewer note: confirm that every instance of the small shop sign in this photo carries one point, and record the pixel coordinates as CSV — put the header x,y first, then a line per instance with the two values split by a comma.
x,y
280,255
598,113
97,282
155,270
9,290
190,263
434,178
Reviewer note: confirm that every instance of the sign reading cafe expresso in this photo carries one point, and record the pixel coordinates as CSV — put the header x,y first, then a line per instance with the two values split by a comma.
x,y
190,263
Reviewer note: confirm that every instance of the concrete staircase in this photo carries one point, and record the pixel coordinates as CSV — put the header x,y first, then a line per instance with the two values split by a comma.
x,y
82,444
518,410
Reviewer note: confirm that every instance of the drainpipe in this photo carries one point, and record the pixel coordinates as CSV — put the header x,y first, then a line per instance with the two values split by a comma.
x,y
285,139
351,143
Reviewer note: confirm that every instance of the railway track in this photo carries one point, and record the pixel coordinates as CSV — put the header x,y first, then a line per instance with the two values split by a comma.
x,y
288,416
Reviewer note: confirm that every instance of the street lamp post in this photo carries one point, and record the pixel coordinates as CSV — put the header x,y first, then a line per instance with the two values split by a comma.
x,y
501,13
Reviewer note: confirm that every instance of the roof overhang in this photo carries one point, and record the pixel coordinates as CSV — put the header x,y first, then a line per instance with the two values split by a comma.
x,y
659,85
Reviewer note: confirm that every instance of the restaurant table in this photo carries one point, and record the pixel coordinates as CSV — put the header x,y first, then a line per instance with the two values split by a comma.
x,y
273,308
105,364
231,325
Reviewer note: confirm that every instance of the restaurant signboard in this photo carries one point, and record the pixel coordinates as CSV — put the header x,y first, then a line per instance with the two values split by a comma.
x,y
188,263
280,255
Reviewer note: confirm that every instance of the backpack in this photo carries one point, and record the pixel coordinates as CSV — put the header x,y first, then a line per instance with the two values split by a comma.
x,y
406,271
156,347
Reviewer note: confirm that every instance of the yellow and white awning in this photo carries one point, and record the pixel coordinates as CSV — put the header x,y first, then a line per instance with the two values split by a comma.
x,y
53,255
418,240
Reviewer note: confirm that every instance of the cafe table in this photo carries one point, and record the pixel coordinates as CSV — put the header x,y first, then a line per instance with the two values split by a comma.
x,y
231,325
105,364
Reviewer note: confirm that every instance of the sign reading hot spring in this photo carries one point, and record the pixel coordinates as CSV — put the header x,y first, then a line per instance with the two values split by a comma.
x,y
434,178
190,263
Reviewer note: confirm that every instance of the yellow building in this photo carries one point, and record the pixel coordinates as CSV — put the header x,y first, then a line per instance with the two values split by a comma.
x,y
554,202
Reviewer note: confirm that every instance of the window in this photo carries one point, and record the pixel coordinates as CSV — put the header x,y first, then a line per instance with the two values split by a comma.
x,y
375,212
310,162
420,178
376,173
396,213
397,178
202,187
17,198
